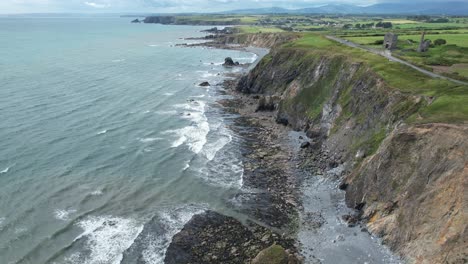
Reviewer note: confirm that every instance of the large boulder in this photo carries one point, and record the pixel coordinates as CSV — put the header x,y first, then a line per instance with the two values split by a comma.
x,y
205,84
228,62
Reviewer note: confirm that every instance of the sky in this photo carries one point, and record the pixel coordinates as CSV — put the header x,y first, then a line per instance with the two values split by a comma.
x,y
160,6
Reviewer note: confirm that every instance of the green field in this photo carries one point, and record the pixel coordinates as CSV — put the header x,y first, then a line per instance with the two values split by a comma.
x,y
451,98
460,40
257,29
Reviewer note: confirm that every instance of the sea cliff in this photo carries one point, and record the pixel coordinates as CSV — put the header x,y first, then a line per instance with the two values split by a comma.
x,y
404,175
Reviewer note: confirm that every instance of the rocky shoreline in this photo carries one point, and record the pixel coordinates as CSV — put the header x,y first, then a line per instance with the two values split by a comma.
x,y
277,166
269,198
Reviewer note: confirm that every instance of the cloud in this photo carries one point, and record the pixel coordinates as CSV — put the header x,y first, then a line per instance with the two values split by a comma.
x,y
175,6
96,5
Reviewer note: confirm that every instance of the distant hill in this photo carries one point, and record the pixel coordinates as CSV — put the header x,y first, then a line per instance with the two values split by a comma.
x,y
445,8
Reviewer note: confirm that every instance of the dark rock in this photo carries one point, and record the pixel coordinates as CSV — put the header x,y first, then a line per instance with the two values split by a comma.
x,y
343,186
351,220
136,21
305,144
267,103
359,206
204,84
228,62
214,238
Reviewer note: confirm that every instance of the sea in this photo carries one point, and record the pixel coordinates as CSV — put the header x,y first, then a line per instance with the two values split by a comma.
x,y
103,129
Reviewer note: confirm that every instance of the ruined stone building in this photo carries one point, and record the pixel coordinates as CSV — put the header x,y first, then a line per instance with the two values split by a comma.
x,y
390,41
424,44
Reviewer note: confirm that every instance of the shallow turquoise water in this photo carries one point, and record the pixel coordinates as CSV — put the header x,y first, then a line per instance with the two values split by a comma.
x,y
99,135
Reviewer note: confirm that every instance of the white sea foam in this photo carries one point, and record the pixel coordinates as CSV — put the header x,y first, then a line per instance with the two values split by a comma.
x,y
97,192
149,139
63,215
20,230
194,135
173,222
102,132
107,237
5,170
211,149
154,45
168,112
118,60
168,94
186,167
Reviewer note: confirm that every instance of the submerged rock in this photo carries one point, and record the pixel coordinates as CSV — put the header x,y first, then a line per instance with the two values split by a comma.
x,y
136,21
205,84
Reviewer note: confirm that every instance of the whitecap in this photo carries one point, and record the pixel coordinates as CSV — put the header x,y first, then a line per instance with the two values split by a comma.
x,y
63,215
118,60
146,112
149,139
186,167
97,192
5,170
210,150
167,112
102,132
194,135
107,237
154,45
168,94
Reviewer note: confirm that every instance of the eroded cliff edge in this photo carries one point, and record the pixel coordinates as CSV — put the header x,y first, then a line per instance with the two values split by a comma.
x,y
406,175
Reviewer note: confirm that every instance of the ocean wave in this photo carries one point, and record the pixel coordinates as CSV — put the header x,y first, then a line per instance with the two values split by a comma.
x,y
149,139
2,219
210,150
63,215
157,234
118,60
5,170
97,192
166,112
106,237
194,136
168,94
102,132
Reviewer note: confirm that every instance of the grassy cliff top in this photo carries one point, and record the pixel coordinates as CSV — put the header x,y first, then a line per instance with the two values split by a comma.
x,y
451,99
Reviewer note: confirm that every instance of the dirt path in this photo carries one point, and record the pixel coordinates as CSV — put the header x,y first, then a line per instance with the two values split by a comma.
x,y
389,56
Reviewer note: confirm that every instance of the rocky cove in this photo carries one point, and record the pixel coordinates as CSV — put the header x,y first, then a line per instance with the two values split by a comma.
x,y
354,169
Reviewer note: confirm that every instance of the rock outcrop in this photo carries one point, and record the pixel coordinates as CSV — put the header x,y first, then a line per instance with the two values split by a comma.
x,y
415,190
228,62
214,238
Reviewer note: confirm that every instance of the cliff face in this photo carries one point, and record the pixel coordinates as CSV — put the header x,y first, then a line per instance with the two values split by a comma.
x,y
415,191
261,40
409,181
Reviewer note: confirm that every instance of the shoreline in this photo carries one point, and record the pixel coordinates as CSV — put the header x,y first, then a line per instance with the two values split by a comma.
x,y
275,160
